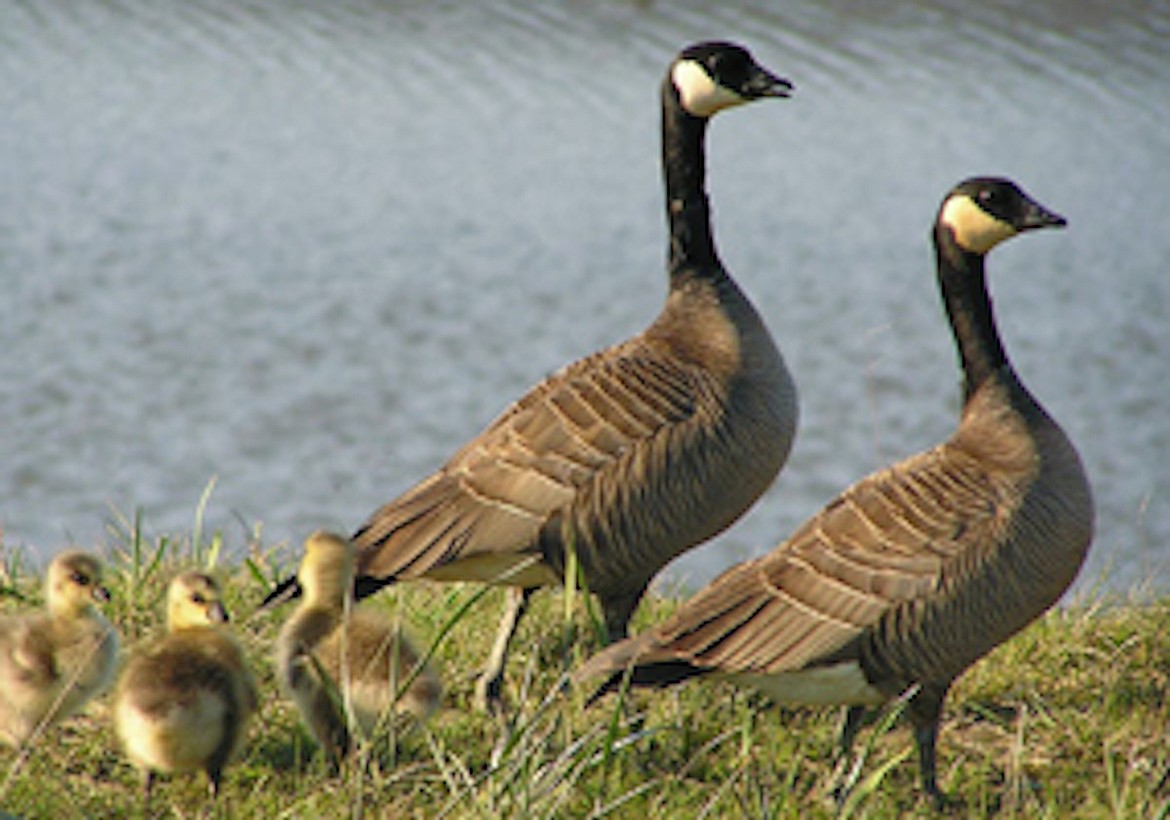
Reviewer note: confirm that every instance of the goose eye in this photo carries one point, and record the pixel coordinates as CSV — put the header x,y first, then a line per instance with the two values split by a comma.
x,y
79,579
197,598
987,196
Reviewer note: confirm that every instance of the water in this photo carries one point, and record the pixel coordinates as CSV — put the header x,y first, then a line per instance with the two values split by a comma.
x,y
308,249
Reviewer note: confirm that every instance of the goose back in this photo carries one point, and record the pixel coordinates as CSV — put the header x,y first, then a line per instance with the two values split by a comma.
x,y
637,453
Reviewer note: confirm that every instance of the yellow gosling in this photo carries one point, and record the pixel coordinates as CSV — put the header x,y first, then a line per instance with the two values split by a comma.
x,y
52,663
184,700
326,657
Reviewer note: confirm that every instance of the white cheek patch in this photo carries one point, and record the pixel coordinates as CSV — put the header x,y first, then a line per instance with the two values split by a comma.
x,y
700,95
975,230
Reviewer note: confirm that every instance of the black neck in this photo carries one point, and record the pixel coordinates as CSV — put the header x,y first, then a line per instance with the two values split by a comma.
x,y
962,279
688,214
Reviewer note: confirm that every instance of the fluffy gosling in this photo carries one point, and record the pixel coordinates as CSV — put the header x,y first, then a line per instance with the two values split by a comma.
x,y
52,663
184,700
326,657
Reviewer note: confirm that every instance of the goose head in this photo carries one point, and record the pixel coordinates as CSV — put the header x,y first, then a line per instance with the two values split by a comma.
x,y
193,600
981,212
74,584
715,75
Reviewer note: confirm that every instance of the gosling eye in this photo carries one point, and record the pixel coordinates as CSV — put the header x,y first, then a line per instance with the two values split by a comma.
x,y
198,598
987,196
80,579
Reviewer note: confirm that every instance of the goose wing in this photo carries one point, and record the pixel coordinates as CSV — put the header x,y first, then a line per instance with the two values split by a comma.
x,y
583,425
896,537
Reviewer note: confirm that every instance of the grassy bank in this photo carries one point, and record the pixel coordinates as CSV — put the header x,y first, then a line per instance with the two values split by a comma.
x,y
1068,720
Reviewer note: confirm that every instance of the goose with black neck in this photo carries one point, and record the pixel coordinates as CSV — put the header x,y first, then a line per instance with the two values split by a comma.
x,y
630,456
917,571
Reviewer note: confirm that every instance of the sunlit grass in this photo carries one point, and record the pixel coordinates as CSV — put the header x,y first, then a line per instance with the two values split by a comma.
x,y
1070,719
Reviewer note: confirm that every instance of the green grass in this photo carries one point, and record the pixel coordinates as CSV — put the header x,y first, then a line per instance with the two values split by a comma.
x,y
1070,719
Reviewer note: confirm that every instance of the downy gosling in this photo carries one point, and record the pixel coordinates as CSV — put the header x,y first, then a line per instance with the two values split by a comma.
x,y
184,700
327,657
52,663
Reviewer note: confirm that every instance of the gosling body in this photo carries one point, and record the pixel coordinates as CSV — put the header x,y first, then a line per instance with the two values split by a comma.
x,y
52,663
184,701
327,657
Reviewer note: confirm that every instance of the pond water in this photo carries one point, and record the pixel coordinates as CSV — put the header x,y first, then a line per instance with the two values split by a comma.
x,y
308,249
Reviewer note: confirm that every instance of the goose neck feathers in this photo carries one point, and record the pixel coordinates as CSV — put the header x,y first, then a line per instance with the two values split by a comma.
x,y
963,284
688,211
975,216
704,79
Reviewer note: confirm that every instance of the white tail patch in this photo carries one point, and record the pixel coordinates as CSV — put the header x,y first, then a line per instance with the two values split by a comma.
x,y
842,683
975,229
699,93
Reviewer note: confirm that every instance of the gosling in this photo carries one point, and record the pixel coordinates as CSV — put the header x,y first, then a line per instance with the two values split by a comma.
x,y
184,700
326,657
52,663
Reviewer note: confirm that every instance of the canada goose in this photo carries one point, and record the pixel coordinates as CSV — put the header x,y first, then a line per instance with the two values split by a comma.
x,y
52,663
357,648
920,569
184,700
630,456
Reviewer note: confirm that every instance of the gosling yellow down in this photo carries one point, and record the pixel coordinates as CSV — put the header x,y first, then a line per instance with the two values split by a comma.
x,y
184,701
326,657
52,663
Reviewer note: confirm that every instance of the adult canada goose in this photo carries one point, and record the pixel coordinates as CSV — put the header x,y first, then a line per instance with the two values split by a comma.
x,y
917,571
183,701
364,658
52,663
630,456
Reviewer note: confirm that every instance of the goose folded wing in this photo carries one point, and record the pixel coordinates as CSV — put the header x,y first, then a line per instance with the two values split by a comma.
x,y
890,539
582,425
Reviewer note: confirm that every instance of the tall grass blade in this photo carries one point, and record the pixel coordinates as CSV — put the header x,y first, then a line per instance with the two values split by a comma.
x,y
200,512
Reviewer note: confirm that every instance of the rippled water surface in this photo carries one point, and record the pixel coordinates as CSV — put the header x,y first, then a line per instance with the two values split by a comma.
x,y
309,249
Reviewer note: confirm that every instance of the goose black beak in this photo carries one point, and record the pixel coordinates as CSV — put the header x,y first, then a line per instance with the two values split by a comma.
x,y
764,83
1037,216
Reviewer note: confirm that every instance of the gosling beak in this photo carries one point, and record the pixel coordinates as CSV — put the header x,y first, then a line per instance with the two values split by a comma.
x,y
286,590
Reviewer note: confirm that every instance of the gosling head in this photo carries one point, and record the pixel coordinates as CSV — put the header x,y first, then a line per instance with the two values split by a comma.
x,y
712,76
326,570
74,584
981,212
193,600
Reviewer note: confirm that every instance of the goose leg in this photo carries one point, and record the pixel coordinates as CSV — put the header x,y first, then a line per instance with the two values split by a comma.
x,y
487,688
925,716
214,776
852,719
618,612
